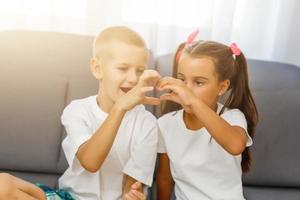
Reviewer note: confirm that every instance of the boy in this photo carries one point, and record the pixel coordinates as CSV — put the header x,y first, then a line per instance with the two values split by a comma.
x,y
111,142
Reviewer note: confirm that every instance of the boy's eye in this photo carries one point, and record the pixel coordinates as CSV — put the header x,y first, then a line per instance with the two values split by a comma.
x,y
122,69
140,71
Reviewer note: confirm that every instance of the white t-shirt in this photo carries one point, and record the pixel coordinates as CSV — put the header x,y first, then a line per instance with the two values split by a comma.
x,y
133,151
200,167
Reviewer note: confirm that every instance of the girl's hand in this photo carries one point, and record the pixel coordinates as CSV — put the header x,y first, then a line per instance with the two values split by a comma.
x,y
179,92
135,192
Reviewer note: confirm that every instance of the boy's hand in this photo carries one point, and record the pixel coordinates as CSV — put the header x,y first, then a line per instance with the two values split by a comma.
x,y
137,95
135,193
149,78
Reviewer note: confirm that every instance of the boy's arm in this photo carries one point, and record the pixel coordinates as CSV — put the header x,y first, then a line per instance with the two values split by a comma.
x,y
128,182
92,153
165,183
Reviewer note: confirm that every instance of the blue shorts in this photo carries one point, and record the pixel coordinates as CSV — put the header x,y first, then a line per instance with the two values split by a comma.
x,y
53,194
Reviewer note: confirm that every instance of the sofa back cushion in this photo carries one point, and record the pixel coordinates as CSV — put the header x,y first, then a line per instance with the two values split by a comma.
x,y
276,149
31,131
51,54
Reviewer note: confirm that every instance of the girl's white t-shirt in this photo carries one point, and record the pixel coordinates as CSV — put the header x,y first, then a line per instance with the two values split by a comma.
x,y
133,151
200,167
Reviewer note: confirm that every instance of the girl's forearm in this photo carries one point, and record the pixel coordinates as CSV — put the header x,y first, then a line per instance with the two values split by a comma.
x,y
164,189
231,138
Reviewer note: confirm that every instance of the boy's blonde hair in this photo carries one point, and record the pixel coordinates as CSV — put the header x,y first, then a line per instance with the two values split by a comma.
x,y
116,34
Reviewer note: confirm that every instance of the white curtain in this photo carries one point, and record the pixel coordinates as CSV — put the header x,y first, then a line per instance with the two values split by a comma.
x,y
263,29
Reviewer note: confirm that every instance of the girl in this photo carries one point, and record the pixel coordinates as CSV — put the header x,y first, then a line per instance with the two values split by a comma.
x,y
204,147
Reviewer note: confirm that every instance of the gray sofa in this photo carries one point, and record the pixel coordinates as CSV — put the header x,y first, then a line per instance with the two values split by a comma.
x,y
41,72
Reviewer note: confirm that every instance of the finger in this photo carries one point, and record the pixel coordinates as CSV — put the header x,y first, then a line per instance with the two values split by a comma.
x,y
147,89
163,81
168,81
131,196
149,77
138,194
170,97
151,101
137,185
173,88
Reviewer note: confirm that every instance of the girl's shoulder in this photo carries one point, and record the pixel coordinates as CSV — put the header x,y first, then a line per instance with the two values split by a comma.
x,y
233,116
169,117
229,112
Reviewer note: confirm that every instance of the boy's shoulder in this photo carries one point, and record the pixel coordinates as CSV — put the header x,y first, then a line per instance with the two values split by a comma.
x,y
80,105
141,112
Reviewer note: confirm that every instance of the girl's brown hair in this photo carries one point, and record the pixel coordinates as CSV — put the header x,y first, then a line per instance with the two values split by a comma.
x,y
227,66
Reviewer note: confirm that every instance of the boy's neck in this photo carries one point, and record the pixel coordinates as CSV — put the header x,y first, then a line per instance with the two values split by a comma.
x,y
103,104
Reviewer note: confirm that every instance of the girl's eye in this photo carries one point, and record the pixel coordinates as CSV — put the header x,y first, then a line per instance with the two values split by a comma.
x,y
199,83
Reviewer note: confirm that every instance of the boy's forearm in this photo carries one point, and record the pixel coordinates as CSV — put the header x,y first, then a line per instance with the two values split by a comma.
x,y
92,153
128,181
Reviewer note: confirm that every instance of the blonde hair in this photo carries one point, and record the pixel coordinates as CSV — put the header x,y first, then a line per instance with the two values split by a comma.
x,y
116,34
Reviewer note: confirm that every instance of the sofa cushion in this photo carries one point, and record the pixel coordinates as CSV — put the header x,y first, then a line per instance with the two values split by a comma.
x,y
31,106
276,149
269,193
48,179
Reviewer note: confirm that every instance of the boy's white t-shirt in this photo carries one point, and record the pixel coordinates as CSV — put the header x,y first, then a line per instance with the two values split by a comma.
x,y
133,151
200,167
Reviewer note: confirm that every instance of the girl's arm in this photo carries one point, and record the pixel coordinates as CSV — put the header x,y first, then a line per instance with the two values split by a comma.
x,y
165,183
232,138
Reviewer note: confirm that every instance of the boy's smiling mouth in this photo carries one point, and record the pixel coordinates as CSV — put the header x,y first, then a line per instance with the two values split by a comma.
x,y
126,89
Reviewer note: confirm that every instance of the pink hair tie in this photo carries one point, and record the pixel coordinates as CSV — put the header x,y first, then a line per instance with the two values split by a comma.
x,y
188,42
235,50
192,37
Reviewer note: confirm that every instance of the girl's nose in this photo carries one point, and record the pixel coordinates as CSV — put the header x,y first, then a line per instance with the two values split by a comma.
x,y
188,84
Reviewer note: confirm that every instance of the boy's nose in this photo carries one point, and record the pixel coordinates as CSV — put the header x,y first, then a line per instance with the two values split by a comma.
x,y
132,77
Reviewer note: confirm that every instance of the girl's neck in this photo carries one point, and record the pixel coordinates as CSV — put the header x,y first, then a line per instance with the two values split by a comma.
x,y
192,122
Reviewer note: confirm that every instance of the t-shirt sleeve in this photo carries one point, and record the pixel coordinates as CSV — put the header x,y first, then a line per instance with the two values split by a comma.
x,y
235,117
77,131
141,163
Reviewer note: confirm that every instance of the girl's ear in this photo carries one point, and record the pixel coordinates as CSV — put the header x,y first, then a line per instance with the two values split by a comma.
x,y
96,68
224,85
